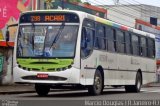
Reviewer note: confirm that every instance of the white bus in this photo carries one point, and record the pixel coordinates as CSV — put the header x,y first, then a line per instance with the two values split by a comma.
x,y
61,48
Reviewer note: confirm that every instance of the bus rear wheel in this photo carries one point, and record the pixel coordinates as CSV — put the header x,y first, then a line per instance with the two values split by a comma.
x,y
42,90
137,87
97,87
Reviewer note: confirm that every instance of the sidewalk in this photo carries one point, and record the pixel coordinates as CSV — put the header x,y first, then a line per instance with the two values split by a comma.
x,y
21,88
16,89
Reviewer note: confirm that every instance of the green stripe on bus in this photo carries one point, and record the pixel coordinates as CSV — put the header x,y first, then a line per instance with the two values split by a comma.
x,y
44,64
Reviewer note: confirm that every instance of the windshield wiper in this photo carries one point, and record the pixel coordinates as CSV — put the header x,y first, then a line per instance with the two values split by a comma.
x,y
33,35
57,35
20,43
44,46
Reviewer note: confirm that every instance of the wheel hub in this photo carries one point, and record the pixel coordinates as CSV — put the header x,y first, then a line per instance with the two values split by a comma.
x,y
97,83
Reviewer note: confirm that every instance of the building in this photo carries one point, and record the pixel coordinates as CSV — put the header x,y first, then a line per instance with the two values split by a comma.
x,y
127,14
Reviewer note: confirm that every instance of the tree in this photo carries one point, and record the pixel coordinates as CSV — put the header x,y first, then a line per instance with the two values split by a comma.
x,y
87,3
49,4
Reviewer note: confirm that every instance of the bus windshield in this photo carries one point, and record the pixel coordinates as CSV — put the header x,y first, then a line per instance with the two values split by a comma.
x,y
40,41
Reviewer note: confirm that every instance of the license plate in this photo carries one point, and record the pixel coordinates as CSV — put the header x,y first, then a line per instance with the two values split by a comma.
x,y
42,75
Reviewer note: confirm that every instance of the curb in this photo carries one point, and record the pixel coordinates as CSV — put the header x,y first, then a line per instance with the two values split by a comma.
x,y
15,92
31,91
152,85
16,89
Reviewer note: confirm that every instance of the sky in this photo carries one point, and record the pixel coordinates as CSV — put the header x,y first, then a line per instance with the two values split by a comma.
x,y
110,2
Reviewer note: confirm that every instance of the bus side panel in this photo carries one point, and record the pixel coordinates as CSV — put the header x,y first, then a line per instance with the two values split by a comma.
x,y
131,65
96,59
110,67
126,74
88,69
118,69
148,68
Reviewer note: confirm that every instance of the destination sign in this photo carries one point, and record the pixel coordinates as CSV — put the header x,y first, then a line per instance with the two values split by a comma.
x,y
48,17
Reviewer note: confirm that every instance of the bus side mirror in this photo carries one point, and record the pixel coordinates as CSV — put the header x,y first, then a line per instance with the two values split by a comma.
x,y
7,36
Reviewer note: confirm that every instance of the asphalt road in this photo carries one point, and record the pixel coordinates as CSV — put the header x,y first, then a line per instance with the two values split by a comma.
x,y
110,97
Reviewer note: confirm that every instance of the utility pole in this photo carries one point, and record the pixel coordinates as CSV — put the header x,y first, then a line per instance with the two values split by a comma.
x,y
62,1
116,2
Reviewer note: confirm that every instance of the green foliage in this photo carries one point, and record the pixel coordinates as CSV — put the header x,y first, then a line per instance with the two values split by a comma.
x,y
87,3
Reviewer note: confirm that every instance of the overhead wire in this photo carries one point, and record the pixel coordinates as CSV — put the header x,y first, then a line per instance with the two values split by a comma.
x,y
123,11
140,6
143,11
115,10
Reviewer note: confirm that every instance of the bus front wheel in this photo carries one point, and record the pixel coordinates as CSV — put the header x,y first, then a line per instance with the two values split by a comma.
x,y
42,90
97,87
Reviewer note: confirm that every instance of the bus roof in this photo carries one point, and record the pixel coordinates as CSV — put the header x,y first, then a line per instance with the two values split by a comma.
x,y
101,20
123,27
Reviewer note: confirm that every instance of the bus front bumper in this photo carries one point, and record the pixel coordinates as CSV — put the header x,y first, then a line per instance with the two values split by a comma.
x,y
68,76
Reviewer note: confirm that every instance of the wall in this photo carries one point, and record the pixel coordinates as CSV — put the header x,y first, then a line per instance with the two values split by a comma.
x,y
122,15
6,72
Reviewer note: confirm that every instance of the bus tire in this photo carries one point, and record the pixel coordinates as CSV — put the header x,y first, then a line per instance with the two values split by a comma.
x,y
97,87
42,90
137,87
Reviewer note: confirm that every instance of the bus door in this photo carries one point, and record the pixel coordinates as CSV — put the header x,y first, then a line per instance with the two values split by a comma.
x,y
87,61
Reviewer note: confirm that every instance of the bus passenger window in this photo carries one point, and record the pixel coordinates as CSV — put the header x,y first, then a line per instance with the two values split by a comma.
x,y
111,41
86,42
135,45
151,48
115,40
121,41
128,43
143,47
100,41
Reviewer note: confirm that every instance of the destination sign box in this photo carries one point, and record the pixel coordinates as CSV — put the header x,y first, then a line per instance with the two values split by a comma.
x,y
49,17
